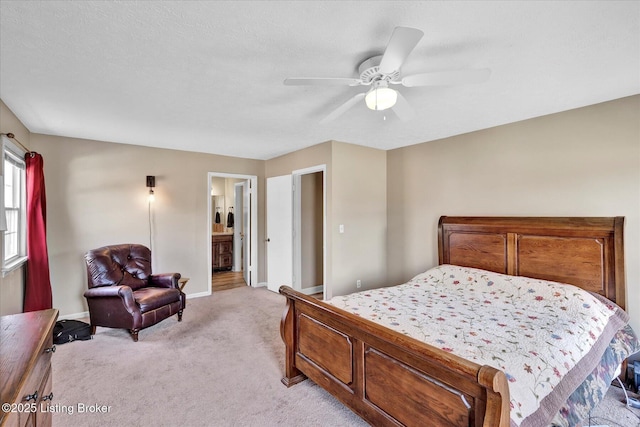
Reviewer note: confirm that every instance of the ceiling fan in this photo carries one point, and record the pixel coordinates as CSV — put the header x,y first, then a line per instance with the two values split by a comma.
x,y
381,72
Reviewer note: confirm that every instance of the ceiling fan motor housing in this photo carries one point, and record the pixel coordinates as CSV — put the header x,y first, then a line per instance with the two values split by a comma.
x,y
370,71
379,72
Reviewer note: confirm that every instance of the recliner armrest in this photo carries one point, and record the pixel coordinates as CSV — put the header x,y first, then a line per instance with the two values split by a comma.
x,y
121,291
164,280
106,291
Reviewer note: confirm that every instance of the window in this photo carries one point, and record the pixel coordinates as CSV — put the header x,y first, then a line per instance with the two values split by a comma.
x,y
14,209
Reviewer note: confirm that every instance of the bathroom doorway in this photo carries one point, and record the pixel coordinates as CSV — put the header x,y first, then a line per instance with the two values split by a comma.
x,y
233,234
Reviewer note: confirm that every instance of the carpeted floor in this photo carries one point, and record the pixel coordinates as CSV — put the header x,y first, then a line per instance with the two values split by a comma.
x,y
613,412
220,366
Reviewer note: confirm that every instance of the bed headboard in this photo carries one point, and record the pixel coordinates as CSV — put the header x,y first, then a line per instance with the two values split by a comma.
x,y
586,252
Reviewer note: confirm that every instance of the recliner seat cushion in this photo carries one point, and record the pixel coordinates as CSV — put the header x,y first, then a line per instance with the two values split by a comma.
x,y
152,298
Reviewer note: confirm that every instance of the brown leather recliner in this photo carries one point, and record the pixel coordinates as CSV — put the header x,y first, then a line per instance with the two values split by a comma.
x,y
124,294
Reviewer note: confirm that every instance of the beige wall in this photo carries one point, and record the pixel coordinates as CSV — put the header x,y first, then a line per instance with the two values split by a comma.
x,y
96,196
583,162
359,202
355,197
12,285
311,229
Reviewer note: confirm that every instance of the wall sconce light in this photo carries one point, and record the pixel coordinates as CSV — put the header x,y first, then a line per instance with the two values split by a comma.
x,y
151,183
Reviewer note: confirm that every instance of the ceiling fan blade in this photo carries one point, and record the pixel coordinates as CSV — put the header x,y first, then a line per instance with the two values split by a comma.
x,y
446,78
402,109
321,81
343,108
402,42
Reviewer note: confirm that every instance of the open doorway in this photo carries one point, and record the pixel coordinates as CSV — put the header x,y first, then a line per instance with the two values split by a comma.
x,y
309,234
296,231
233,230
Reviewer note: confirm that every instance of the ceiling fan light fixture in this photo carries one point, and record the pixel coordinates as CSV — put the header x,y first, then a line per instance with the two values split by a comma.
x,y
381,97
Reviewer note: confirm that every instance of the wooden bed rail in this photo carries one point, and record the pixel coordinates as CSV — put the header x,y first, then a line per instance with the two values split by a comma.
x,y
386,377
390,379
498,400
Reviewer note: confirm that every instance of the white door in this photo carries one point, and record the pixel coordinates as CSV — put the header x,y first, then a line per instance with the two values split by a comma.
x,y
279,232
238,229
246,233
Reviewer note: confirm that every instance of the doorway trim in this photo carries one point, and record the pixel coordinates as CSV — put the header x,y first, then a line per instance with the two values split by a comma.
x,y
297,229
253,189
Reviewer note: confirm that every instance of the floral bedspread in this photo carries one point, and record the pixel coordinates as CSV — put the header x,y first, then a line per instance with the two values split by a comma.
x,y
595,386
547,337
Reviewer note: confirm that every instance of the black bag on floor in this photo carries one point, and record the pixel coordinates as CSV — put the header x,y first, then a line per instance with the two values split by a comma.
x,y
71,330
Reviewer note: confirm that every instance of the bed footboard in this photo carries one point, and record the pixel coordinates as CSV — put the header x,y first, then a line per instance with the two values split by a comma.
x,y
386,377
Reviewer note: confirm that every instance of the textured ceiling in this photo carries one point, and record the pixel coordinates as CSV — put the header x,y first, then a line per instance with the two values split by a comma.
x,y
207,76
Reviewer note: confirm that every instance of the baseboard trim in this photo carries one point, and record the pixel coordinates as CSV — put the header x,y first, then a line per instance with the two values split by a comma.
x,y
74,316
199,294
314,290
306,291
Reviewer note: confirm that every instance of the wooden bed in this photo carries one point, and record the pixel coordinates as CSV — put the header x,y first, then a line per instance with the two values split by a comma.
x,y
390,379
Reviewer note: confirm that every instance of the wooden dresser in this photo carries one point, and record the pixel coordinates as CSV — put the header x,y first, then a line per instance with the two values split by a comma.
x,y
222,251
26,347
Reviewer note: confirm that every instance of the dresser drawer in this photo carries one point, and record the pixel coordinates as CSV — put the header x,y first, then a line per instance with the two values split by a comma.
x,y
33,384
25,367
44,400
29,417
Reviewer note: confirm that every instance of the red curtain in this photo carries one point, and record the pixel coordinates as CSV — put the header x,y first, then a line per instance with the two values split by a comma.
x,y
37,294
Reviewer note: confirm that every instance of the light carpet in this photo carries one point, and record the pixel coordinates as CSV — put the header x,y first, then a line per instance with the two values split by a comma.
x,y
220,366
